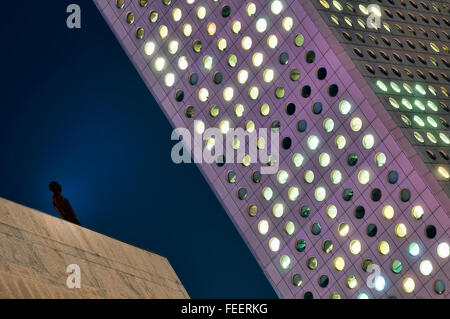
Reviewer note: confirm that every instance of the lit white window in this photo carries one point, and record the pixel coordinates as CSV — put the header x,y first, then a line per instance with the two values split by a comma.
x,y
261,25
159,64
287,23
409,285
263,227
313,142
250,9
356,124
443,250
309,176
388,212
207,62
282,177
239,110
335,176
187,30
173,46
177,14
236,26
332,211
242,76
363,176
355,247
293,193
272,41
297,159
340,142
368,141
201,12
285,261
246,43
183,63
253,92
203,95
221,44
328,125
228,94
345,107
278,210
426,267
268,75
149,48
274,244
380,159
199,127
324,159
258,59
320,193
289,228
169,79
267,193
224,126
276,7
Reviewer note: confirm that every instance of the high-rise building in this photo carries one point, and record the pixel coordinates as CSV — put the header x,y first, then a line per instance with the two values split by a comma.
x,y
356,100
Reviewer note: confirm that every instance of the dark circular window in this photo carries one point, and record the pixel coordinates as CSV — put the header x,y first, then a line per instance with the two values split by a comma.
x,y
179,95
310,56
405,195
317,108
231,177
300,245
444,155
286,143
312,263
302,126
365,264
306,91
327,246
392,177
347,194
218,77
297,280
275,126
242,193
305,211
333,90
189,112
360,211
439,287
352,159
323,281
294,74
256,177
316,228
197,46
252,210
220,160
372,230
430,231
375,194
226,11
308,295
321,73
290,109
193,79
397,266
284,58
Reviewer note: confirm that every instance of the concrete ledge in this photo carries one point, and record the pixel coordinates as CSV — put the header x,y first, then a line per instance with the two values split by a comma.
x,y
36,248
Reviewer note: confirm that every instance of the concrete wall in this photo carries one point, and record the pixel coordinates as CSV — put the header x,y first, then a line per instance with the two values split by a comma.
x,y
36,248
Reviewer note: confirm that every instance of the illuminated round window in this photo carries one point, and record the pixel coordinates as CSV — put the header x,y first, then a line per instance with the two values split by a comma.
x,y
324,159
276,7
414,249
355,247
268,75
278,210
352,282
328,125
344,107
250,9
332,211
258,59
388,212
320,193
431,137
236,27
293,193
199,127
224,126
153,16
340,142
264,109
239,110
187,30
339,263
382,86
313,142
380,159
246,43
203,95
207,62
418,137
309,176
368,141
163,31
183,63
426,267
253,92
400,230
159,64
149,48
267,193
261,143
228,94
287,23
379,283
176,14
443,250
261,25
169,79
274,244
443,172
289,228
201,12
214,111
282,177
246,160
285,261
383,247
297,159
211,28
356,124
263,227
417,212
272,41
363,176
335,176
343,229
408,285
232,60
242,76
362,295
444,138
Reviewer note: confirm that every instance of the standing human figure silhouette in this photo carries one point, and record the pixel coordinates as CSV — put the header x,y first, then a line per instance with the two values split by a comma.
x,y
62,205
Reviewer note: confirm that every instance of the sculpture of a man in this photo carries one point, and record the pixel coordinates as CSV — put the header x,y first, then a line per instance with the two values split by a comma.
x,y
62,205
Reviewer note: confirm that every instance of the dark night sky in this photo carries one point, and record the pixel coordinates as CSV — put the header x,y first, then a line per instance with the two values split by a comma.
x,y
73,109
